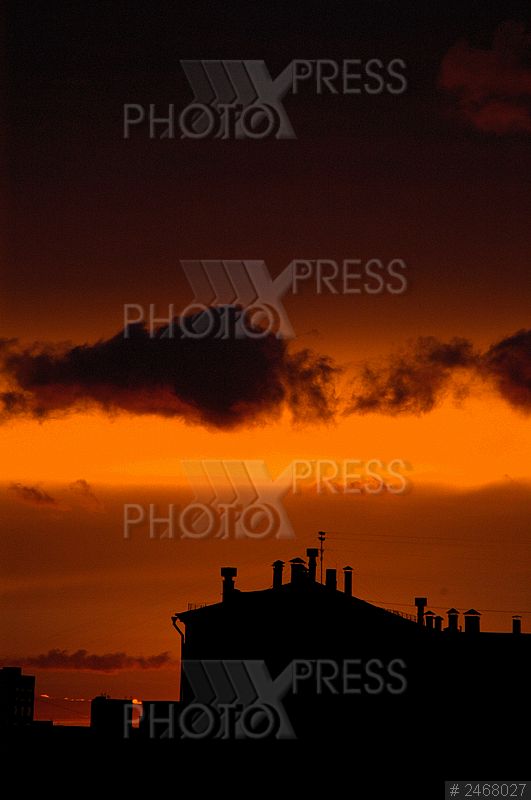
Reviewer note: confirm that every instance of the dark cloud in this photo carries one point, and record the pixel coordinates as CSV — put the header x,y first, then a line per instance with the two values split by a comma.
x,y
492,87
412,382
34,496
309,383
83,660
415,381
224,383
508,365
210,381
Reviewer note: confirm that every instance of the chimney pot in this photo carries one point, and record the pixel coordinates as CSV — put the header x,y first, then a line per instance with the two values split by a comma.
x,y
421,603
331,579
453,617
472,621
429,618
517,624
228,574
347,581
278,567
312,553
298,571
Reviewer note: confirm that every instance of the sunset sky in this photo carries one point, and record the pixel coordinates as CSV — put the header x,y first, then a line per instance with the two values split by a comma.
x,y
438,376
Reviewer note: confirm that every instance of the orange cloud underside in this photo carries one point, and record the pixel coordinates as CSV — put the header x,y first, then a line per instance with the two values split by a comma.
x,y
479,442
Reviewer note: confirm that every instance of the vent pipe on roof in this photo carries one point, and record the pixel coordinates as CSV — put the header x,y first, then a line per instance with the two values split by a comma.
x,y
227,588
517,624
278,567
453,617
472,621
331,579
421,603
347,581
298,571
312,553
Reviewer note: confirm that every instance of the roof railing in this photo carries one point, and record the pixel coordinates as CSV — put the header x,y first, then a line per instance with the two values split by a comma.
x,y
403,614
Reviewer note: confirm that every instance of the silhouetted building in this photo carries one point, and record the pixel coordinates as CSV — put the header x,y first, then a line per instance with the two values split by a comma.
x,y
110,717
17,697
301,616
303,619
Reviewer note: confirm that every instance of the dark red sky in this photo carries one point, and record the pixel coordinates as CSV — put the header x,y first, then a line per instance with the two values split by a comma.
x,y
367,175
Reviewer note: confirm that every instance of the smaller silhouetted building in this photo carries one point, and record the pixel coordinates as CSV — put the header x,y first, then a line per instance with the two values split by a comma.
x,y
17,697
110,717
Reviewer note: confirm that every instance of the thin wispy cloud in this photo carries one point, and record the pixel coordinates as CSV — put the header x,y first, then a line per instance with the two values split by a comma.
x,y
83,660
34,496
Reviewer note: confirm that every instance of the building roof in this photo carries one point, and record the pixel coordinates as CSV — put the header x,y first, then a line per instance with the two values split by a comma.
x,y
308,596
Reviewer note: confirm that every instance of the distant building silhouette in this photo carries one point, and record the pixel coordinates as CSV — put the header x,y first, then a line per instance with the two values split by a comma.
x,y
17,697
110,717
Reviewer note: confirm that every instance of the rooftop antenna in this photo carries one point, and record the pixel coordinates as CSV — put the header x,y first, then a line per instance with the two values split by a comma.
x,y
321,535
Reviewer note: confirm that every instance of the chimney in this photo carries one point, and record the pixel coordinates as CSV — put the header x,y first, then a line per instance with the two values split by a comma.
x,y
421,603
453,616
228,574
347,581
278,567
429,617
438,623
312,553
517,624
298,570
472,621
331,579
